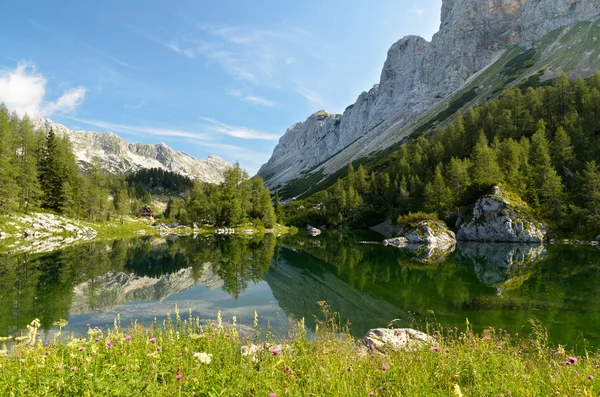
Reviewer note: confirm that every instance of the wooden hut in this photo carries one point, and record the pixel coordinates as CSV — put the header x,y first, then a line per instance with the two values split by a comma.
x,y
146,212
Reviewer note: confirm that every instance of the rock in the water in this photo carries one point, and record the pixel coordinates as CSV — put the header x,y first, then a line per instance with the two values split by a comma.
x,y
429,232
313,231
384,339
501,218
396,242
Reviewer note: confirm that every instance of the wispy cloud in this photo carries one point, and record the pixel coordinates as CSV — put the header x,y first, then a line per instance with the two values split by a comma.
x,y
251,99
313,97
108,56
237,132
140,105
142,130
24,91
251,159
257,100
419,12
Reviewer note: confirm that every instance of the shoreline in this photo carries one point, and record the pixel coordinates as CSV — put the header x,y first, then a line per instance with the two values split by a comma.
x,y
46,232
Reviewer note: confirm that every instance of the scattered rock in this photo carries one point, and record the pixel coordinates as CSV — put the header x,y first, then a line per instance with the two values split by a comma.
x,y
396,242
313,231
224,231
499,218
384,339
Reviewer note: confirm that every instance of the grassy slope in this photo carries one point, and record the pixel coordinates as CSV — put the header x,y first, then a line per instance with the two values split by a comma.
x,y
573,48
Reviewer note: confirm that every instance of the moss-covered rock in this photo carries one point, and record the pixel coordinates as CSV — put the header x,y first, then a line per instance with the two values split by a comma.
x,y
503,217
425,229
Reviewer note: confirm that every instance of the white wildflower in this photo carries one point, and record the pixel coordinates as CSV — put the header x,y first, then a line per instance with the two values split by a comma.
x,y
203,357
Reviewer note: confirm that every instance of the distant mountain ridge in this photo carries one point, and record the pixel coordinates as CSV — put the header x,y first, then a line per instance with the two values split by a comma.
x,y
481,48
119,156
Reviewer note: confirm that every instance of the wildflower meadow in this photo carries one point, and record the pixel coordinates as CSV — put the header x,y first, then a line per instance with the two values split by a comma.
x,y
192,357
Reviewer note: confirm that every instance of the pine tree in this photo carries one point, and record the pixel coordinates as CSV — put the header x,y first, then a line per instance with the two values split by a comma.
x,y
438,196
122,205
269,218
50,179
590,188
26,172
458,178
8,186
485,169
562,151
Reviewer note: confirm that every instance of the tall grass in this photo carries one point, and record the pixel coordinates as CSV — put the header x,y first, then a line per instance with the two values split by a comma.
x,y
190,357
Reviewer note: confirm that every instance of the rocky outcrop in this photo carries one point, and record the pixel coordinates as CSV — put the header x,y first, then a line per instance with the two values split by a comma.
x,y
501,218
385,339
119,156
429,232
417,75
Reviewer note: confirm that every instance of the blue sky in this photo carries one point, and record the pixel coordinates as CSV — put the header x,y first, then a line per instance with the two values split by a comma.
x,y
224,77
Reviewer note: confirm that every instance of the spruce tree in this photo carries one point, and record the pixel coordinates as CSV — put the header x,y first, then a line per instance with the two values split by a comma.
x,y
26,172
438,196
8,157
485,169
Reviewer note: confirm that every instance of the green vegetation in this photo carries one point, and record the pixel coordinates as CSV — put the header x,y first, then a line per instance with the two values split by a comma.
x,y
521,62
39,172
190,356
236,201
412,219
541,144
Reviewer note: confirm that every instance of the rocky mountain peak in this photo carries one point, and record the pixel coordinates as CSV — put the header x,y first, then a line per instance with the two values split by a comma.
x,y
417,75
119,156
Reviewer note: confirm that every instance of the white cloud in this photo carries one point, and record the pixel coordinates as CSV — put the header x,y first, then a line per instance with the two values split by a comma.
x,y
237,132
419,12
24,90
68,102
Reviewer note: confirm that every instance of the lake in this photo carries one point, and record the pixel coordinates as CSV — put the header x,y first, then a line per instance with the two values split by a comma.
x,y
499,285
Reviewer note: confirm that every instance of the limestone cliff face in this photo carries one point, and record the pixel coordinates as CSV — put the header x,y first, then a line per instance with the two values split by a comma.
x,y
418,74
118,156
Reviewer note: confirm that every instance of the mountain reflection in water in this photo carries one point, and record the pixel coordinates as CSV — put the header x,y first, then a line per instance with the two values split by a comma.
x,y
499,285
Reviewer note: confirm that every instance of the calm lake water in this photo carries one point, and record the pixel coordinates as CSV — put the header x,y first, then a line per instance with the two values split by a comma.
x,y
369,285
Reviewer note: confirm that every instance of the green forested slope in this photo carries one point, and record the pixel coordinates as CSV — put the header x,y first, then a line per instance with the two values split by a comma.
x,y
541,143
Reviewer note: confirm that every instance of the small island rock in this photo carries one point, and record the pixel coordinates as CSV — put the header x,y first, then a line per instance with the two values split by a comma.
x,y
500,217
